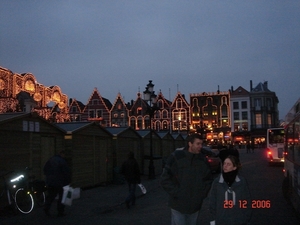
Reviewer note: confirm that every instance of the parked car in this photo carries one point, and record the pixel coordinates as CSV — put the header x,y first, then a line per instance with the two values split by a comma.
x,y
212,158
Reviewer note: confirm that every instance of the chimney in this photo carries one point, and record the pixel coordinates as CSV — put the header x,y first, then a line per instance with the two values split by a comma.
x,y
250,85
266,84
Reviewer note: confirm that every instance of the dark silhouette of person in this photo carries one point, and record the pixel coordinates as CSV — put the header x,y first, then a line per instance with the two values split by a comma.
x,y
225,152
131,171
57,175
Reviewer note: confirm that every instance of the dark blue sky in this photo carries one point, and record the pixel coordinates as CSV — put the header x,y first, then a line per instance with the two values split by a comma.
x,y
190,46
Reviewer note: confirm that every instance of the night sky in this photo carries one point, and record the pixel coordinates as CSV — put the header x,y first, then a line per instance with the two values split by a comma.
x,y
187,46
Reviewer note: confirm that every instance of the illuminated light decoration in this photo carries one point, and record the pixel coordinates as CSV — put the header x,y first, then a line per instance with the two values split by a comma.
x,y
37,97
16,179
11,84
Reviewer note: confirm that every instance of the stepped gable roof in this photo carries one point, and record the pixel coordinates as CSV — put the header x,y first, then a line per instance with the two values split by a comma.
x,y
161,96
119,97
79,104
96,95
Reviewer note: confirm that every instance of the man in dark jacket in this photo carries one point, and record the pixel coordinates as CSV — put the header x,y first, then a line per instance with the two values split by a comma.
x,y
57,175
187,179
130,169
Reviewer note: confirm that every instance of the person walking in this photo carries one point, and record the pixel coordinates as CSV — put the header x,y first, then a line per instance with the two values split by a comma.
x,y
131,171
252,146
187,179
248,147
229,197
57,175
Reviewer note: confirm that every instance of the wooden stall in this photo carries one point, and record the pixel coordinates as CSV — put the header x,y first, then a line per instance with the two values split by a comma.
x,y
88,147
179,140
156,150
125,139
27,140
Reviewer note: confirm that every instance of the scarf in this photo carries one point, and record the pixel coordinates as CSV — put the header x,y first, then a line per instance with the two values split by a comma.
x,y
229,178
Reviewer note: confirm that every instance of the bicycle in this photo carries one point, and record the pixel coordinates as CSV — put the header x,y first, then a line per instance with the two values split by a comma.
x,y
37,189
22,196
16,195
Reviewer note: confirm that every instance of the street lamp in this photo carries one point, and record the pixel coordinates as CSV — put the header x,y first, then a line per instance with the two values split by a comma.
x,y
151,97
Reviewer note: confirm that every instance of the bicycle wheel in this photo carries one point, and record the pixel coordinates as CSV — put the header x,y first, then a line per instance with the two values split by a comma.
x,y
40,198
24,201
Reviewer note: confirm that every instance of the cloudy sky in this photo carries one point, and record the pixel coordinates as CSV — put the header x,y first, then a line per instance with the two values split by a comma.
x,y
187,46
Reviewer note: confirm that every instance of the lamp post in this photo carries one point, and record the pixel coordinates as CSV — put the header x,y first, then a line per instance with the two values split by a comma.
x,y
151,97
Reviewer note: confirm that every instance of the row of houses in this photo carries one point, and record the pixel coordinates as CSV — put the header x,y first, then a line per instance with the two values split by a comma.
x,y
94,153
236,115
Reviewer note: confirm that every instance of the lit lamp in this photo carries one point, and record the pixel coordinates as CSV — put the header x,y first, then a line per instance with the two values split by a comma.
x,y
151,98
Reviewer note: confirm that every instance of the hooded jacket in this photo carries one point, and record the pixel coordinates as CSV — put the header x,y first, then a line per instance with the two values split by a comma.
x,y
187,179
232,205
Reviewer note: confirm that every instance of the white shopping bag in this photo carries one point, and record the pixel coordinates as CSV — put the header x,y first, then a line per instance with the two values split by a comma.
x,y
143,189
67,195
76,193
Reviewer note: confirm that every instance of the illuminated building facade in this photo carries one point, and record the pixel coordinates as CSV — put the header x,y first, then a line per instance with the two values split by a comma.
x,y
97,109
210,115
119,113
22,93
264,111
240,115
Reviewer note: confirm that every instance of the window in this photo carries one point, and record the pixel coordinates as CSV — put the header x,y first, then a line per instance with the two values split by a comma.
x,y
258,120
139,111
74,108
122,115
179,103
236,116
244,115
244,105
91,114
165,114
235,105
95,102
269,102
269,119
257,102
224,111
99,113
115,115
